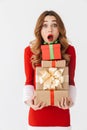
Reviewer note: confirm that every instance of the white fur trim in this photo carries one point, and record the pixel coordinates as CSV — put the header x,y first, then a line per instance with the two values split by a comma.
x,y
72,93
46,128
28,91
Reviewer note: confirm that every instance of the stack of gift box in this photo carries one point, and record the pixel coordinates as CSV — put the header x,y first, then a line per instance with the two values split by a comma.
x,y
52,78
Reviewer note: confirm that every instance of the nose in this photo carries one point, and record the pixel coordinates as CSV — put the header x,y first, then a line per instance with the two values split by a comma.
x,y
49,28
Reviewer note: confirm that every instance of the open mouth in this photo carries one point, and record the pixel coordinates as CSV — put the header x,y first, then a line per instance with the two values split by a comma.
x,y
50,37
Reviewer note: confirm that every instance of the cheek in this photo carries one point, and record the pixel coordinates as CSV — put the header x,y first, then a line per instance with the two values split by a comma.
x,y
43,34
57,33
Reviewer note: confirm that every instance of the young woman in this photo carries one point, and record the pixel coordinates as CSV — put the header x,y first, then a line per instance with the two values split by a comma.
x,y
49,29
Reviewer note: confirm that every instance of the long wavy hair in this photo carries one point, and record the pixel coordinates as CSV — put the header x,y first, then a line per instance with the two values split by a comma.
x,y
36,44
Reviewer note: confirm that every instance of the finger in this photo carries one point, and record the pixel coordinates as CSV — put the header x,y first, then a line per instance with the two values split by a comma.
x,y
32,100
39,104
61,103
35,107
70,103
42,105
33,97
66,105
64,102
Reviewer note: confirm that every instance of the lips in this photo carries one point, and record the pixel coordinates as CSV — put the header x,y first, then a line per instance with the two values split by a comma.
x,y
50,37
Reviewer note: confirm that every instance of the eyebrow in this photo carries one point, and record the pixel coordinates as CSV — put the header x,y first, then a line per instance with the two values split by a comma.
x,y
52,21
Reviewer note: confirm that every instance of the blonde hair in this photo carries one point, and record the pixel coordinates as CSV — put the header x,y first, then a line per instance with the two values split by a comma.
x,y
35,45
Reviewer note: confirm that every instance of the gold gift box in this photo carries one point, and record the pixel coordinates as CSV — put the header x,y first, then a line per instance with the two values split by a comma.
x,y
54,63
48,97
50,72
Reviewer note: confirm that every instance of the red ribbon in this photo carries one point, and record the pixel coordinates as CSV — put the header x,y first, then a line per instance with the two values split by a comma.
x,y
52,97
53,63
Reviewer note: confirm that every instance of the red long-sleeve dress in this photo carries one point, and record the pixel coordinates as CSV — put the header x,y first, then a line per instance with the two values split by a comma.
x,y
51,115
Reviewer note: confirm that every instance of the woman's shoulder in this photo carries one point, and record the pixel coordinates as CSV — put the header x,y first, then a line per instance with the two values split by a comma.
x,y
70,49
27,50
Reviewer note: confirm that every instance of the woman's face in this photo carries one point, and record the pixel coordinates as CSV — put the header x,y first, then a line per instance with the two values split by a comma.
x,y
49,31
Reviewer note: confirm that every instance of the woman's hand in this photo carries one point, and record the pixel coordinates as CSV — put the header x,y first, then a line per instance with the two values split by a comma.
x,y
39,106
65,103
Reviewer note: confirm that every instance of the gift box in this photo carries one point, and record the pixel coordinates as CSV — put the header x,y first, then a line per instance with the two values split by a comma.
x,y
53,63
50,97
50,52
52,78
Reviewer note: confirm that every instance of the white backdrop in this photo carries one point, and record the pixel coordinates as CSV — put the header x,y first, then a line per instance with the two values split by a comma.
x,y
17,22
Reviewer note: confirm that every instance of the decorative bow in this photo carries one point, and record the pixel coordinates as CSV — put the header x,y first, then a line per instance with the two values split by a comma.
x,y
52,78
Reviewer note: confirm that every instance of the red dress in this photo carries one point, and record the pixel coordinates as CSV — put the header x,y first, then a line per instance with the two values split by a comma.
x,y
51,115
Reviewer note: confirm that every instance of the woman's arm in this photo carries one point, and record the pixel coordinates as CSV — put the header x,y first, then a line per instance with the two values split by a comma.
x,y
72,67
69,101
28,92
29,74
